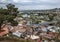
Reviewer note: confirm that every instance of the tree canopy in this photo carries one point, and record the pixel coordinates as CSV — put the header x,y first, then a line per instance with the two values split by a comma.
x,y
8,14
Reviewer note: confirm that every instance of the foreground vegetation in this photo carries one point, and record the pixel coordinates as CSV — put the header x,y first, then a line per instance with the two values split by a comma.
x,y
12,39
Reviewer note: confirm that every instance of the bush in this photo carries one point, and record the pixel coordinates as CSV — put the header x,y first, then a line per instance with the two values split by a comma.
x,y
3,39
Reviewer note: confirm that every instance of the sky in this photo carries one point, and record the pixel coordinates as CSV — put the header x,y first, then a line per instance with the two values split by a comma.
x,y
32,4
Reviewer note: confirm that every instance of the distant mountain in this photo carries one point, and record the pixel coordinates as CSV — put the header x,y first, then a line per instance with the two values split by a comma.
x,y
48,10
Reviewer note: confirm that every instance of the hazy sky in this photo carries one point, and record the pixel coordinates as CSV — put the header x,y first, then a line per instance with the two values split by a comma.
x,y
32,4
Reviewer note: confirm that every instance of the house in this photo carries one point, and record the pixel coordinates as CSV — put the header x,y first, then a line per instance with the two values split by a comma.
x,y
43,28
19,30
53,29
34,37
47,37
4,30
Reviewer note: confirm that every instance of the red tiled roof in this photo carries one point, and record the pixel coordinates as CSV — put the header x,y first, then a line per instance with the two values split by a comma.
x,y
4,31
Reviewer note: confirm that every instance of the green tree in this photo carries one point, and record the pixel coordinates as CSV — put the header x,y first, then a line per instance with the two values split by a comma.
x,y
51,17
12,10
8,15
